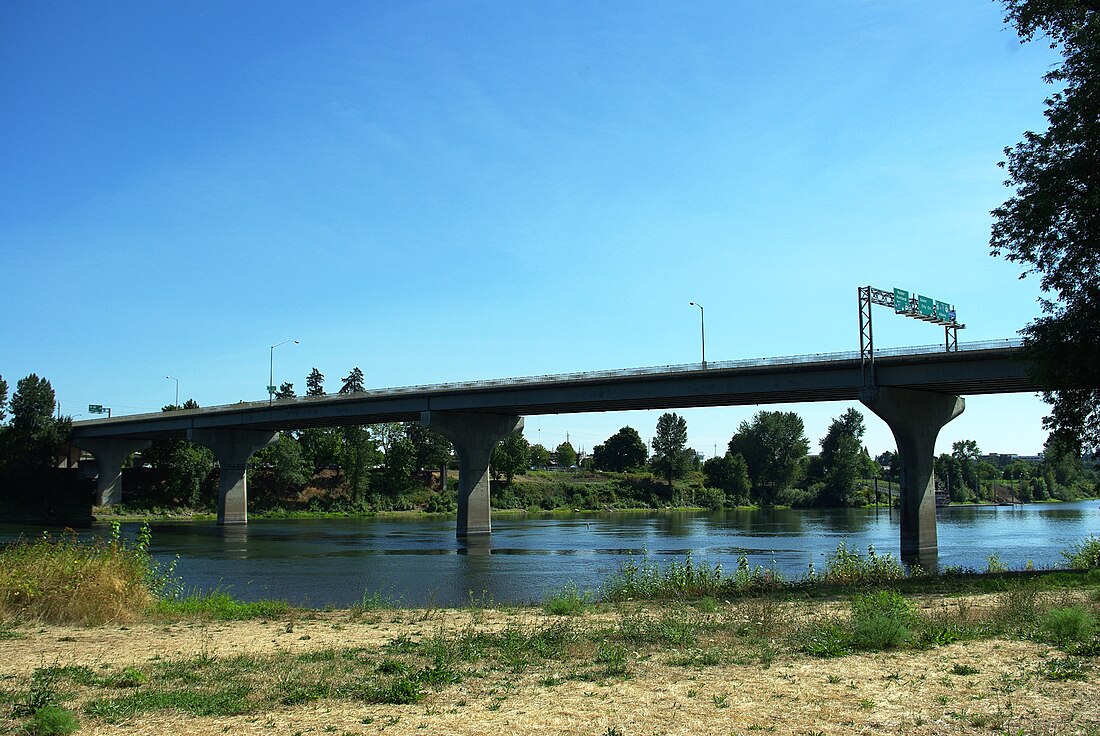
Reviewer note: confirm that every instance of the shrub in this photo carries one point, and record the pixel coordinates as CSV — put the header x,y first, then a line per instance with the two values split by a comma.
x,y
1084,555
846,566
881,620
1064,626
566,601
52,720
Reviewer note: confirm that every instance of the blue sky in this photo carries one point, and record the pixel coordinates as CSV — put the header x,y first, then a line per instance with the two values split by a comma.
x,y
450,191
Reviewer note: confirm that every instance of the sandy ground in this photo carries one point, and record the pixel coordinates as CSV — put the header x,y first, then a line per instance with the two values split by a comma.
x,y
906,692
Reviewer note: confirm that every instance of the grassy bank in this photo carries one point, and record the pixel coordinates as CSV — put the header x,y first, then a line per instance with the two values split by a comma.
x,y
687,635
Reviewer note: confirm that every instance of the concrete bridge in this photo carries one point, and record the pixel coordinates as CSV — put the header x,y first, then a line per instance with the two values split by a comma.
x,y
916,391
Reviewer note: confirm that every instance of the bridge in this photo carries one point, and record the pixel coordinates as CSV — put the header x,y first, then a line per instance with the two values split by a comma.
x,y
915,390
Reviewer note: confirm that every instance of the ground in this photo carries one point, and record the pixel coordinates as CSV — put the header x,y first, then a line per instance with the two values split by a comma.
x,y
706,685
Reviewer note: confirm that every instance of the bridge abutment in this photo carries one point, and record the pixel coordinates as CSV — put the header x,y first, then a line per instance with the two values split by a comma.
x,y
474,436
916,418
110,454
233,448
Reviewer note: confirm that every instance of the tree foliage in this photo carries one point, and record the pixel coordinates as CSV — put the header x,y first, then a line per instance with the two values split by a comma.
x,y
31,441
510,457
353,382
773,444
315,383
729,474
431,449
186,469
843,459
565,455
622,451
670,453
1051,225
3,399
285,391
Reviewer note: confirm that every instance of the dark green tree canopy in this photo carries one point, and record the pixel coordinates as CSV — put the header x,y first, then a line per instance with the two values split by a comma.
x,y
3,399
315,383
773,444
540,456
729,473
1051,225
510,457
670,453
565,455
32,404
622,451
286,391
353,382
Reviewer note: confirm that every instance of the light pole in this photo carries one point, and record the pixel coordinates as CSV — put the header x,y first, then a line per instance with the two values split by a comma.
x,y
702,331
271,371
173,378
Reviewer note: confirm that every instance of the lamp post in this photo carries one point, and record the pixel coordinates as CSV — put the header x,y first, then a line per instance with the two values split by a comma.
x,y
702,331
271,371
173,378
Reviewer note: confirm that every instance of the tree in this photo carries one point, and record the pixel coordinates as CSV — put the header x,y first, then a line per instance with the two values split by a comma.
x,y
670,454
622,451
186,469
353,382
842,459
773,445
29,444
3,399
967,452
431,449
1051,224
510,457
286,391
730,474
540,456
565,455
284,459
315,383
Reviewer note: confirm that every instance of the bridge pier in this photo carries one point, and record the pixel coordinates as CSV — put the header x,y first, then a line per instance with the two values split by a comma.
x,y
474,436
232,447
110,454
916,418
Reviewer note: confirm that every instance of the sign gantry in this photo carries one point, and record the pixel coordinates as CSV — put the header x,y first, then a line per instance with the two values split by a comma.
x,y
917,306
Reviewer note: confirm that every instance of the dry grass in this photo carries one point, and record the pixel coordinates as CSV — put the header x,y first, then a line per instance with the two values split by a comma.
x,y
724,671
64,581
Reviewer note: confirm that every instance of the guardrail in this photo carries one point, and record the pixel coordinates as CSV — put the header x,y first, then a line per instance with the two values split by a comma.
x,y
591,375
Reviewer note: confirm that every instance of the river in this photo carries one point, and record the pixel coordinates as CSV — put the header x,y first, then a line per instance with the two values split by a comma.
x,y
420,562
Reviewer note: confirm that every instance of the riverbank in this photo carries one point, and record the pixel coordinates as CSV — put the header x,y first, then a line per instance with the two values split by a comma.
x,y
966,663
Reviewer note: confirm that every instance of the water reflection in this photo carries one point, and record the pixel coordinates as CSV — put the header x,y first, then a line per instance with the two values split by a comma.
x,y
419,561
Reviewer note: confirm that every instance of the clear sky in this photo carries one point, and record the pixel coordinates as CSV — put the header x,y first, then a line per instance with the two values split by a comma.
x,y
439,191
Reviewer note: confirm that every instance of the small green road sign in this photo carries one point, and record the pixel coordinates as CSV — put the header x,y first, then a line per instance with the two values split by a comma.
x,y
925,305
271,389
901,300
95,408
942,310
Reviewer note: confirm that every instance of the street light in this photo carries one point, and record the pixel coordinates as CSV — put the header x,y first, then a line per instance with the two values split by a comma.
x,y
702,331
271,371
173,378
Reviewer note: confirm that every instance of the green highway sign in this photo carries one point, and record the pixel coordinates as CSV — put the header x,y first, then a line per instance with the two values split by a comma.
x,y
95,408
925,306
942,311
271,389
901,300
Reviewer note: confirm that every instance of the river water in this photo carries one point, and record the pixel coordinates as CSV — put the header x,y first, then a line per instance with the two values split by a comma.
x,y
420,562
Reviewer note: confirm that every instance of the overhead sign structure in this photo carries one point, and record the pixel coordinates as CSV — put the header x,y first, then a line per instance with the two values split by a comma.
x,y
99,409
907,304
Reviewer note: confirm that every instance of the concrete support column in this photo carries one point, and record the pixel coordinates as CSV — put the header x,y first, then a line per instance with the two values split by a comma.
x,y
474,437
915,418
232,447
110,454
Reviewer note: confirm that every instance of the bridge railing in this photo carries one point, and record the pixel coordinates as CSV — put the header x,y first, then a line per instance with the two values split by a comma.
x,y
819,358
837,357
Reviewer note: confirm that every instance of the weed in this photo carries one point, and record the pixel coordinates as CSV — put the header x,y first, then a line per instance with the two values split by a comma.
x,y
1084,555
824,640
845,566
964,669
567,601
1070,625
1065,669
880,620
52,720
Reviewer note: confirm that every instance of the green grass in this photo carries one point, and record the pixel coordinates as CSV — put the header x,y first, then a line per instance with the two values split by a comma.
x,y
567,601
218,605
